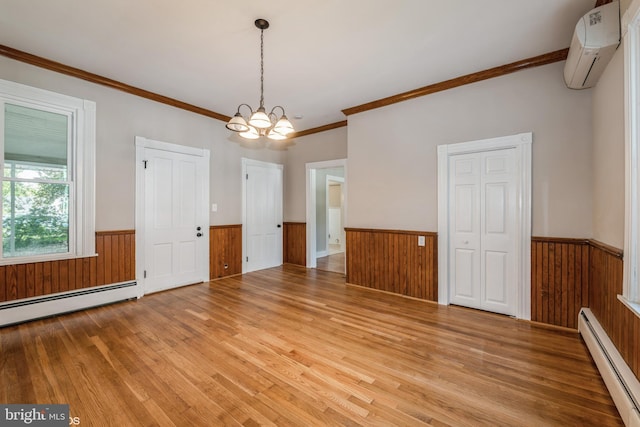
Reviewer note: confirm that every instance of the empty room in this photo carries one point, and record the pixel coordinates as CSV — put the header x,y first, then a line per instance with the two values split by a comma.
x,y
285,213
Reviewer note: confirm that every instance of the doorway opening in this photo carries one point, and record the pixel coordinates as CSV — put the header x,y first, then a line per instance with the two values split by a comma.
x,y
326,215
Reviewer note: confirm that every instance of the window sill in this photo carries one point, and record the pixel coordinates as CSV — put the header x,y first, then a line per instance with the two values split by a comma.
x,y
633,306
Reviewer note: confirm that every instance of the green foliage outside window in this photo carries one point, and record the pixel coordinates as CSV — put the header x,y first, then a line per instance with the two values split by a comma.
x,y
35,215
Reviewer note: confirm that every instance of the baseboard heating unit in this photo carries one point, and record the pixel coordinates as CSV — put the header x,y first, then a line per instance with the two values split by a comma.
x,y
618,377
19,311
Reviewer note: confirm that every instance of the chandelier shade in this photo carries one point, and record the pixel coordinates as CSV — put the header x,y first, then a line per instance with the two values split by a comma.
x,y
250,133
238,123
259,123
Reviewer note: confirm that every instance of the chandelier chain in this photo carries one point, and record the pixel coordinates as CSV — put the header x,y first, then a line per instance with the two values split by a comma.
x,y
261,68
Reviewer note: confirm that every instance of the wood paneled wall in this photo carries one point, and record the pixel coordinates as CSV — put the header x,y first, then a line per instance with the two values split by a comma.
x,y
294,243
620,323
225,250
567,274
559,280
115,263
392,261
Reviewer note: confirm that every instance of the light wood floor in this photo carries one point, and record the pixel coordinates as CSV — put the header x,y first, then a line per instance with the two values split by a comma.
x,y
296,347
334,262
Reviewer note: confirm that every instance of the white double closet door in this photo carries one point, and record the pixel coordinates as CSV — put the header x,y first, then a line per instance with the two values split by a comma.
x,y
483,247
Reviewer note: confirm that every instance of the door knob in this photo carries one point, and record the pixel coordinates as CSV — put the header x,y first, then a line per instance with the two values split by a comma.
x,y
198,228
199,234
279,226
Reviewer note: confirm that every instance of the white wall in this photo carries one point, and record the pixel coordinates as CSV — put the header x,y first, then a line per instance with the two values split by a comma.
x,y
330,145
120,118
392,150
608,154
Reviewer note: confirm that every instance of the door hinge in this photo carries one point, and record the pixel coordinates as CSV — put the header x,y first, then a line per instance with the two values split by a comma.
x,y
145,163
145,274
247,259
247,177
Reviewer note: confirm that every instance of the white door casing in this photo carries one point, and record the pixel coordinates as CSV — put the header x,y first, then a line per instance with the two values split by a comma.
x,y
490,258
262,215
172,222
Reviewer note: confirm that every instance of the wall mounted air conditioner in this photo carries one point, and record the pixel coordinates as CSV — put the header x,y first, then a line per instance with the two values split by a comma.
x,y
595,40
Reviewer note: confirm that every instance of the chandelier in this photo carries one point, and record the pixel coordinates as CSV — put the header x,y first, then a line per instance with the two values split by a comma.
x,y
260,123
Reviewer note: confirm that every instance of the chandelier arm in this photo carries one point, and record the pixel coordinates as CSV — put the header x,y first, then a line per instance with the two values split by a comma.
x,y
274,108
248,106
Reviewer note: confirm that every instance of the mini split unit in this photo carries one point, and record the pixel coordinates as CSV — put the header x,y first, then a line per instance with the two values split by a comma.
x,y
595,40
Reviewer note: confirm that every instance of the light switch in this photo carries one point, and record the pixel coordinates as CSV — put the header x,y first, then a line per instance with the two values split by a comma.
x,y
420,240
214,207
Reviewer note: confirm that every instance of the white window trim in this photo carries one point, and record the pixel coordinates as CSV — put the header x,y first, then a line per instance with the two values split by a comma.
x,y
631,37
82,237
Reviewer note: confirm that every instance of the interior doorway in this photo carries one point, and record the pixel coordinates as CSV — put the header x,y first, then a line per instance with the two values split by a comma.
x,y
326,215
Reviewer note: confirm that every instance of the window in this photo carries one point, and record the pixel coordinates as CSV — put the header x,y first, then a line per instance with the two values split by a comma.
x,y
47,145
631,36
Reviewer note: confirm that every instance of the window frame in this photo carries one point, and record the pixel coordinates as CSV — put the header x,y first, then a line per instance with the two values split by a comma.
x,y
81,173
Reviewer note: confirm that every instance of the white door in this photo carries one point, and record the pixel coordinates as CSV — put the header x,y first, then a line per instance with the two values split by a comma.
x,y
176,232
263,215
335,226
483,230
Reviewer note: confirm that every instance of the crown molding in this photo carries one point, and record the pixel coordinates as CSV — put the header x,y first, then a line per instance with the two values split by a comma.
x,y
536,61
58,67
547,58
319,129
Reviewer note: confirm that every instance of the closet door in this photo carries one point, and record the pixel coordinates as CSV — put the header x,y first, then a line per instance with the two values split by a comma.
x,y
483,213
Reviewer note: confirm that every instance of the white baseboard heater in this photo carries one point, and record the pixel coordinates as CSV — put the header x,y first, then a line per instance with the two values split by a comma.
x,y
618,377
19,311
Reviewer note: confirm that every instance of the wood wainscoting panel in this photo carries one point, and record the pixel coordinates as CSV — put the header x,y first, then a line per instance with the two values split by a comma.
x,y
225,250
620,323
115,263
559,280
392,261
294,243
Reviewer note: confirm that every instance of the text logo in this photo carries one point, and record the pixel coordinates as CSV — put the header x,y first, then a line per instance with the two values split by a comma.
x,y
34,415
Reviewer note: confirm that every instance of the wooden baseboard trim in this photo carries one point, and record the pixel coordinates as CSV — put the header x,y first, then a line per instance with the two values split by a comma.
x,y
377,230
549,326
390,293
215,279
218,227
613,251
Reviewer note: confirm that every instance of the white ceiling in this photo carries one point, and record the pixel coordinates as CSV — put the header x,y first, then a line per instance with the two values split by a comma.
x,y
320,56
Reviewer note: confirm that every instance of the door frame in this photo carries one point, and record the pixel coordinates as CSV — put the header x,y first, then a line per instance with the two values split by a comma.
x,y
142,144
522,143
310,174
251,162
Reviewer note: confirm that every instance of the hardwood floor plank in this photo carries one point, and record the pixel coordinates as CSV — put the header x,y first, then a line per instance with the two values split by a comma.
x,y
291,346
